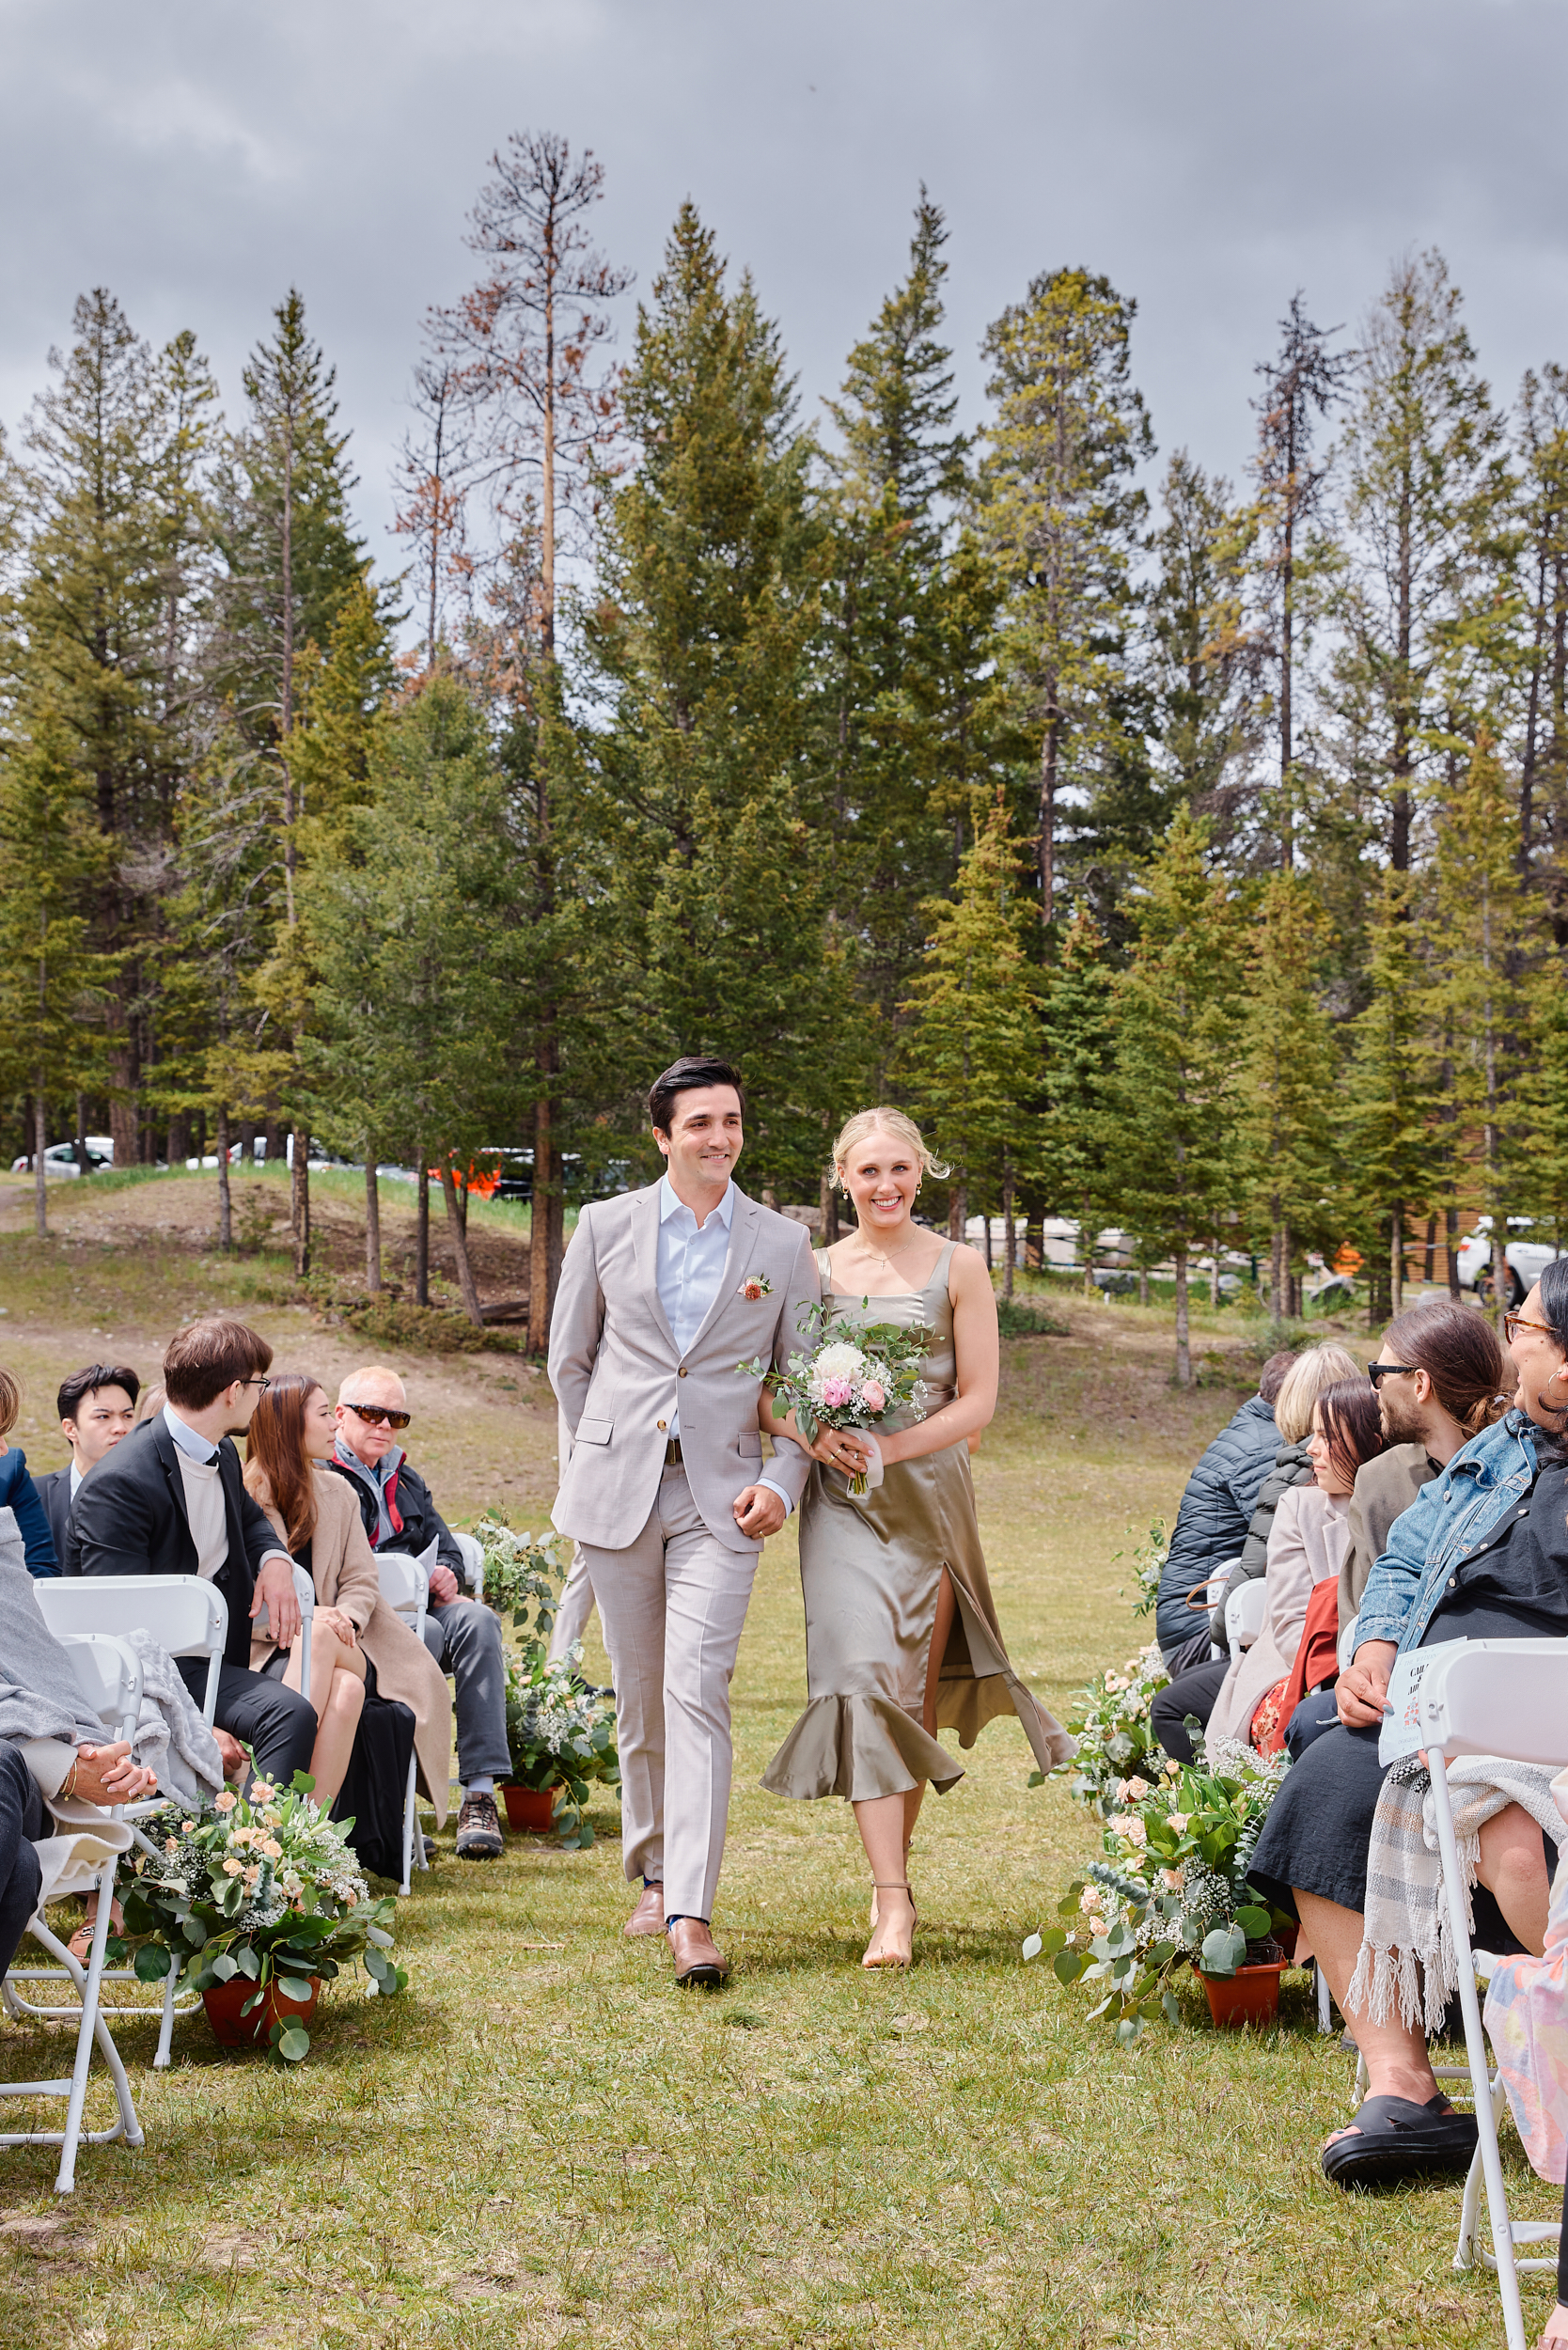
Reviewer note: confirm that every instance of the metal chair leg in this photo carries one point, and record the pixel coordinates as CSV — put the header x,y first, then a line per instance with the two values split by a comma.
x,y
1475,2049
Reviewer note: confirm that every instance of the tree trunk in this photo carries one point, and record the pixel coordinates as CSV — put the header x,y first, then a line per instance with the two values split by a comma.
x,y
82,1134
40,1144
1085,1247
460,1247
540,1284
1214,1277
1277,1249
1429,1273
1184,1351
1143,1285
247,1142
225,1206
300,1202
1450,1248
1500,1282
372,1225
988,1265
422,1234
1396,1259
958,1210
827,1201
1008,1234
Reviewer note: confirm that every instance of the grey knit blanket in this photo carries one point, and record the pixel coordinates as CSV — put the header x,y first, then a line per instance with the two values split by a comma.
x,y
1407,1962
39,1694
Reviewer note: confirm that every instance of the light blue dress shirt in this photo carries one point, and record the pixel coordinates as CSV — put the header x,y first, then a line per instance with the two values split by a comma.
x,y
688,1272
196,1447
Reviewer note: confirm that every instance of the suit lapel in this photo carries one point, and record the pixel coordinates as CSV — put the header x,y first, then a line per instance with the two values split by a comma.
x,y
163,1446
645,1245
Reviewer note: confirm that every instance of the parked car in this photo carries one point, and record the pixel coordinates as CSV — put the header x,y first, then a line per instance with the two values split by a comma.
x,y
59,1159
1527,1258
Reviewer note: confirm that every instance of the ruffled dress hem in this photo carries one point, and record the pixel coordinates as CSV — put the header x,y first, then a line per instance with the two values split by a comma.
x,y
858,1747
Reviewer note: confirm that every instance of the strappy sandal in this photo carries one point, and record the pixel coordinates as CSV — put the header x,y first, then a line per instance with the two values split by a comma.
x,y
1393,2137
907,1850
1557,2328
892,1959
80,1944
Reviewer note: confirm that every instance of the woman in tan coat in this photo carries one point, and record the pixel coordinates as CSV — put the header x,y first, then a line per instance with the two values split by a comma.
x,y
316,1515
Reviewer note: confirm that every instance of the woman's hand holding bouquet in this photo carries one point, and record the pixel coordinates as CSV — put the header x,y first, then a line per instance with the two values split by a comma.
x,y
837,1392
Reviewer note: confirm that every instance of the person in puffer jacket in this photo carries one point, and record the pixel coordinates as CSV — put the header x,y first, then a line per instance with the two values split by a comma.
x,y
1216,1509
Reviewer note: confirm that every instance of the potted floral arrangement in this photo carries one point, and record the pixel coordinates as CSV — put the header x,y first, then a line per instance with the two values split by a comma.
x,y
522,1576
1116,1742
1172,1892
254,1901
561,1733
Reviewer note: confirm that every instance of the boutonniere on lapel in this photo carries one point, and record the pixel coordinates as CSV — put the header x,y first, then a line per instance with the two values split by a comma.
x,y
756,1285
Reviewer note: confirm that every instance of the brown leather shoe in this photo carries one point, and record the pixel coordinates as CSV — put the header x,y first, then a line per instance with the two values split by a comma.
x,y
699,1960
648,1915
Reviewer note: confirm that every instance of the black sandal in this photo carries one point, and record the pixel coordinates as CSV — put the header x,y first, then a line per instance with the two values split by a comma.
x,y
1399,2140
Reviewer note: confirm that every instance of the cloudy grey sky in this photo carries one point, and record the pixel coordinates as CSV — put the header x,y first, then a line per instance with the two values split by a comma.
x,y
1208,157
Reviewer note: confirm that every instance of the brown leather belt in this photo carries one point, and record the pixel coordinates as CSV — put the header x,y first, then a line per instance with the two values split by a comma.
x,y
673,1454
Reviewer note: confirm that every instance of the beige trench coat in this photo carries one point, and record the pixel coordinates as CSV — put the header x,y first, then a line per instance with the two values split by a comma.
x,y
343,1569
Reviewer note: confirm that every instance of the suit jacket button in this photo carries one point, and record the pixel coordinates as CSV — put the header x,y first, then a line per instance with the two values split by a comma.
x,y
663,1424
682,1373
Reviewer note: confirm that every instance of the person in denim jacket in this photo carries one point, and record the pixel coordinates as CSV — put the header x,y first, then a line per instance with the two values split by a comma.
x,y
1482,1553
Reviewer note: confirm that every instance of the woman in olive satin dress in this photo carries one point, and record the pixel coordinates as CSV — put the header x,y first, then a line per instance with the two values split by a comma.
x,y
900,1631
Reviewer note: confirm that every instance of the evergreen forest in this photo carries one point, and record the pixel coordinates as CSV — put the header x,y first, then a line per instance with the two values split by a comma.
x,y
1190,855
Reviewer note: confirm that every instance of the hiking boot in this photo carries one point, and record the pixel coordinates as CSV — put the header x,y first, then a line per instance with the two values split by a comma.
x,y
478,1834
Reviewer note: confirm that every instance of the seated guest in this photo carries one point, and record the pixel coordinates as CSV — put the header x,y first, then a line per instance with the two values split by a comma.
x,y
96,1407
464,1638
1482,1553
51,1745
359,1646
1311,1534
17,1491
1212,1521
1193,1690
1439,1379
170,1499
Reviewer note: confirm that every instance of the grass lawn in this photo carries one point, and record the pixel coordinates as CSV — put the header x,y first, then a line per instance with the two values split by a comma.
x,y
544,2143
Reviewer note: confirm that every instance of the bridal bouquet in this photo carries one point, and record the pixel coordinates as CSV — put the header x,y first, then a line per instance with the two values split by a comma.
x,y
857,1373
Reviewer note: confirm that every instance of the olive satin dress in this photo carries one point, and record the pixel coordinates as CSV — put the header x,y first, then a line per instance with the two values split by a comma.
x,y
871,1570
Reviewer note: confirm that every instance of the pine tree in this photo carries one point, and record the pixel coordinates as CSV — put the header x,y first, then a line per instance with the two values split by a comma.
x,y
701,635
291,560
1386,1100
1177,1022
1542,448
1202,665
1426,507
1289,1082
901,660
1476,938
971,1062
52,977
412,913
1062,517
1081,1175
1302,383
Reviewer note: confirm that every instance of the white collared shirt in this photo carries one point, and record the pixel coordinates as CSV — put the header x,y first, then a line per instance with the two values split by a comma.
x,y
689,1271
205,1508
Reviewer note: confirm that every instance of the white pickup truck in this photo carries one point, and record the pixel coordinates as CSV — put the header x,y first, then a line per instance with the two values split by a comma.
x,y
1528,1256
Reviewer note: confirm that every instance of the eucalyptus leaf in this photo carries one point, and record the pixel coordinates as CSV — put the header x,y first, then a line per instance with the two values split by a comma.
x,y
223,1967
293,2044
1032,1946
152,1963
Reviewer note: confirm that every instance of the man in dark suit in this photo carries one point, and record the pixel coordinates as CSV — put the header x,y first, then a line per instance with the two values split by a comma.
x,y
170,1499
98,1408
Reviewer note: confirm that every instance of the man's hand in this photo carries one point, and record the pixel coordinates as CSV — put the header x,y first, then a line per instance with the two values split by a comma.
x,y
760,1512
107,1774
444,1586
1361,1692
235,1759
275,1592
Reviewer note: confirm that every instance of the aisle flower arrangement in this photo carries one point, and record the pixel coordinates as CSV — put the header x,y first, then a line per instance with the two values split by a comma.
x,y
263,1887
561,1733
523,1575
1117,1747
1172,1890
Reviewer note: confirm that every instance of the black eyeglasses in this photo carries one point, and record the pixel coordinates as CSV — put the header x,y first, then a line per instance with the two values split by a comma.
x,y
1377,1373
379,1416
262,1383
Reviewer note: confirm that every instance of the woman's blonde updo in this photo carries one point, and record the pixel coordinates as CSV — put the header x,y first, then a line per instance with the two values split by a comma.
x,y
891,1122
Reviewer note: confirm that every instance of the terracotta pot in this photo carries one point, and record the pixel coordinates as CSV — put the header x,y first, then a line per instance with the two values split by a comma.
x,y
531,1809
1250,1996
231,2030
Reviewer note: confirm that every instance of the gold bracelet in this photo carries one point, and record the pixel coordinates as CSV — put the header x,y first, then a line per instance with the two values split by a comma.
x,y
69,1787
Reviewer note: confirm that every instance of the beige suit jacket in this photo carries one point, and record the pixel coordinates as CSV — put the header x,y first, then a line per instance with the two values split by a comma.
x,y
619,1377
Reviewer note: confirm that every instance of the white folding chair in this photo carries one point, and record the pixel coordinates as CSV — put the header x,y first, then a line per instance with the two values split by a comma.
x,y
1213,1594
473,1560
111,1677
305,1591
1245,1611
1349,1641
405,1586
1507,1698
187,1617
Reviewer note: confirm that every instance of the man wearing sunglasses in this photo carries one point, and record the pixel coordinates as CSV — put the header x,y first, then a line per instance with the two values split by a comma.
x,y
398,1514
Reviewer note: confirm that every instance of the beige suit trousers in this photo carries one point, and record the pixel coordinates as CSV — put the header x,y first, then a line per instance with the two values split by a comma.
x,y
672,1606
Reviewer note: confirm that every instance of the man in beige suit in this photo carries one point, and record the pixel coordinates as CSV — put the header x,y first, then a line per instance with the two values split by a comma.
x,y
663,1293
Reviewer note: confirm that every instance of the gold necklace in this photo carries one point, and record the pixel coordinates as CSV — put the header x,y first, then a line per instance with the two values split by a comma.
x,y
877,1258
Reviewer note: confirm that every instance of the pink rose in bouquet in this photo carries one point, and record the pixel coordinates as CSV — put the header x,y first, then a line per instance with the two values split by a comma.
x,y
836,1393
873,1395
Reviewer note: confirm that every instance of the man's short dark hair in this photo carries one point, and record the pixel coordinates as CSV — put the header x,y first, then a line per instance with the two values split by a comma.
x,y
209,1356
88,1382
687,1075
1272,1377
